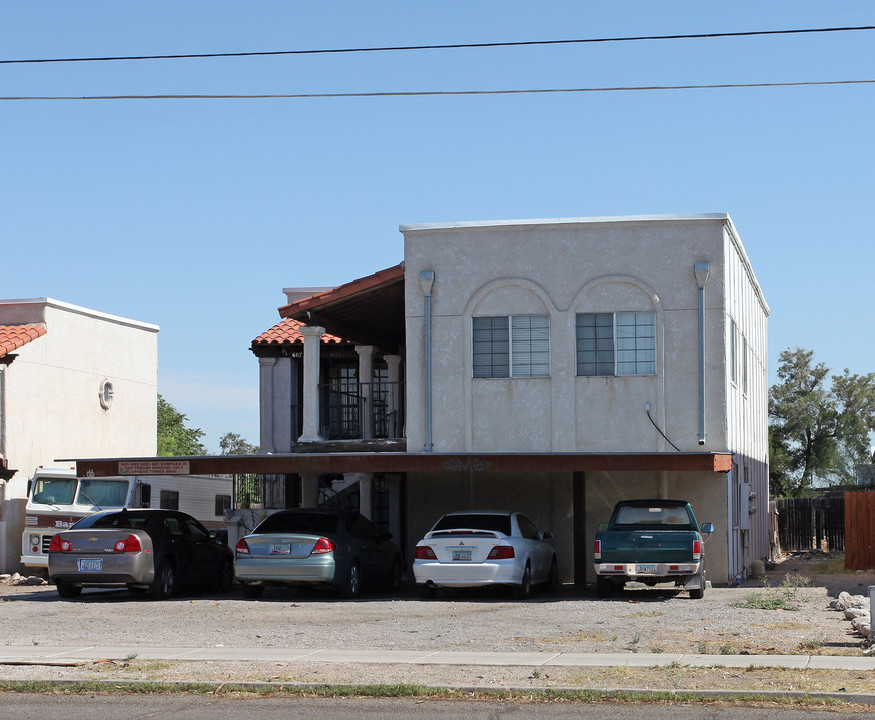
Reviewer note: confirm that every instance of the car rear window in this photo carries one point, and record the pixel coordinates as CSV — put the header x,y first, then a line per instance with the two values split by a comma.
x,y
475,521
126,520
304,523
671,516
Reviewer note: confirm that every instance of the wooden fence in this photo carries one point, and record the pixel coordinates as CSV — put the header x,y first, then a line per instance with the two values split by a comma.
x,y
815,523
859,530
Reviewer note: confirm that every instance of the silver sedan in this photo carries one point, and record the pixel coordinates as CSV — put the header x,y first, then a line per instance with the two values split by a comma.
x,y
318,546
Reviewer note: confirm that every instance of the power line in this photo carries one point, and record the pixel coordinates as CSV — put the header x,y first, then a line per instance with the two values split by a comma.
x,y
422,93
457,46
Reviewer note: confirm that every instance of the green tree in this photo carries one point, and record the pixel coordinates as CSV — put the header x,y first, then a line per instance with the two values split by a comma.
x,y
233,443
174,438
819,424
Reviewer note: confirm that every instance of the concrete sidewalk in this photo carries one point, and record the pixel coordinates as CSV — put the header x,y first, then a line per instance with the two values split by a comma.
x,y
47,655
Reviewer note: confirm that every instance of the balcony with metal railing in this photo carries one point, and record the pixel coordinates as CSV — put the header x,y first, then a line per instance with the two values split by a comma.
x,y
362,411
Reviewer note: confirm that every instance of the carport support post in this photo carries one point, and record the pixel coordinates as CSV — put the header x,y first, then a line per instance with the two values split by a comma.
x,y
366,494
581,541
309,490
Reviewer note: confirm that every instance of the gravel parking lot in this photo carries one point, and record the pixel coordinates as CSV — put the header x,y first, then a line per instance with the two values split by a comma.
x,y
642,620
639,621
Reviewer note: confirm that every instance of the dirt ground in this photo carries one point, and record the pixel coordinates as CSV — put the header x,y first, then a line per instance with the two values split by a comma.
x,y
823,569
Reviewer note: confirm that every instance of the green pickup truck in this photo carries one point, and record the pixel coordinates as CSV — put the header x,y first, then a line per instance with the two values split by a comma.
x,y
651,541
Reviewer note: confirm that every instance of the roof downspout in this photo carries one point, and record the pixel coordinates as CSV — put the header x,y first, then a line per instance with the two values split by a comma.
x,y
702,271
426,280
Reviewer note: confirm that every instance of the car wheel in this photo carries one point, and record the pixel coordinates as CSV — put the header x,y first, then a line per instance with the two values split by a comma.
x,y
524,589
395,577
68,592
698,594
427,592
603,587
251,591
226,577
165,581
552,578
352,588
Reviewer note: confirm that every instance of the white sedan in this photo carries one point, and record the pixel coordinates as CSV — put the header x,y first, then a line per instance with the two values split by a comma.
x,y
473,549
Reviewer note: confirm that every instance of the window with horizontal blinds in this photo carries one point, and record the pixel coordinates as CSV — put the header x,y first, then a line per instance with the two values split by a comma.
x,y
530,345
511,346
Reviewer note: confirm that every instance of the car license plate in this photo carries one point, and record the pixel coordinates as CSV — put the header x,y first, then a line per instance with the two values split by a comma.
x,y
280,548
649,569
90,564
462,555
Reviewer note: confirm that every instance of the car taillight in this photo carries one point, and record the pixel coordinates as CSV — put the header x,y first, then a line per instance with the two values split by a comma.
x,y
323,545
500,552
597,550
697,549
242,548
130,544
424,552
58,545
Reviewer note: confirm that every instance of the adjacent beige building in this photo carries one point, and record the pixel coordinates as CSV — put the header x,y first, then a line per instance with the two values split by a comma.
x,y
74,383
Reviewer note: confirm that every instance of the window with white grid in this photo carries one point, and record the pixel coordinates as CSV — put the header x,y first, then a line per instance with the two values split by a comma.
x,y
622,343
511,346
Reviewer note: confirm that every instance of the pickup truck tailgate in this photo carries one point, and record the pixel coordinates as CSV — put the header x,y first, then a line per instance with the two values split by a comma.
x,y
647,546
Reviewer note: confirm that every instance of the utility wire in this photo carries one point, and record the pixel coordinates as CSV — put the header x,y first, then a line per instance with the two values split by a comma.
x,y
436,92
749,33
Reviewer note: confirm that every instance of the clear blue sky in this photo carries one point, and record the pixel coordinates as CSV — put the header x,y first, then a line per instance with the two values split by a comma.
x,y
194,214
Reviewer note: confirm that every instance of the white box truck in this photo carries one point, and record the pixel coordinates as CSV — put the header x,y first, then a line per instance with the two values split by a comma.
x,y
56,499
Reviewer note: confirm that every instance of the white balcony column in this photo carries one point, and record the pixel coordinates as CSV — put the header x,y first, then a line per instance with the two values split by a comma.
x,y
395,396
366,381
266,395
309,490
312,348
366,493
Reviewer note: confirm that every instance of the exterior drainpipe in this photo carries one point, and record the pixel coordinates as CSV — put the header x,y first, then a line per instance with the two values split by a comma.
x,y
426,280
702,271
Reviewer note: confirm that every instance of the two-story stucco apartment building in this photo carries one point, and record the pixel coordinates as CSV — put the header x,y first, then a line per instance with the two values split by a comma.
x,y
554,366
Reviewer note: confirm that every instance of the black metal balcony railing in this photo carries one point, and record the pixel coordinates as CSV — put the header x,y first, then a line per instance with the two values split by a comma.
x,y
362,410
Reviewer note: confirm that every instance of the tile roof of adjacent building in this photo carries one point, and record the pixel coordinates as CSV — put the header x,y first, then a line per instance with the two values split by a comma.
x,y
13,337
287,332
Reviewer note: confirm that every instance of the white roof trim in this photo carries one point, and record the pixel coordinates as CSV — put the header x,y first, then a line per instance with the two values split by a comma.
x,y
60,305
565,221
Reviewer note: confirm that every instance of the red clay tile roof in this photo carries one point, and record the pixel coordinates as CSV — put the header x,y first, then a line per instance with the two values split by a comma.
x,y
286,332
348,290
13,337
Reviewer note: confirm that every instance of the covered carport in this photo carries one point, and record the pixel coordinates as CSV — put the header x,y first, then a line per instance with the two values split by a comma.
x,y
435,466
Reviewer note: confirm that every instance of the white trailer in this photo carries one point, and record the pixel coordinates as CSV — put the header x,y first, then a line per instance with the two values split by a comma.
x,y
56,499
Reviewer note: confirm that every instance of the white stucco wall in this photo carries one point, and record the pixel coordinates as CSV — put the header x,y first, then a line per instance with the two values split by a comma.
x,y
561,269
565,267
51,401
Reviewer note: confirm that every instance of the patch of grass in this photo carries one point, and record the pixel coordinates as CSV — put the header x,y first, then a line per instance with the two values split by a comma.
x,y
407,690
646,613
147,667
836,566
769,601
794,581
812,644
